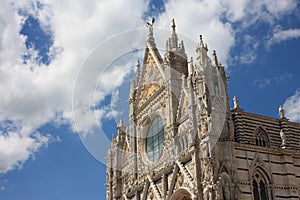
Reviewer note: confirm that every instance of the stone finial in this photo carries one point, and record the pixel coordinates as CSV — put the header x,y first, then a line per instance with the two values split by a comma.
x,y
121,126
174,39
236,104
215,58
182,47
281,112
201,44
173,24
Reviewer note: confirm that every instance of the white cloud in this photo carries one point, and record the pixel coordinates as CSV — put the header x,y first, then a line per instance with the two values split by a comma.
x,y
273,8
250,11
292,107
249,47
262,82
3,184
284,35
34,95
209,19
283,77
15,149
280,7
204,18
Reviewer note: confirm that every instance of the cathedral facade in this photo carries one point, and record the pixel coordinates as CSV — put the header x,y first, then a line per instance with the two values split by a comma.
x,y
184,142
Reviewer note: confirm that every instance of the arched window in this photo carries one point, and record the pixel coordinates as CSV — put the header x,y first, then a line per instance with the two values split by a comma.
x,y
155,139
259,185
181,194
261,138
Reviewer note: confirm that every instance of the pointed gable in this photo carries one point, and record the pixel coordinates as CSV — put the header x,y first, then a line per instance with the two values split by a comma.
x,y
152,76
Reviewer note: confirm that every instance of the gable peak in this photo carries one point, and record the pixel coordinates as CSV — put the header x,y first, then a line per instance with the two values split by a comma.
x,y
149,25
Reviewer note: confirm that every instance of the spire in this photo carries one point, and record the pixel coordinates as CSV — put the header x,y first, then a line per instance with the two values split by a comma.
x,y
121,123
173,25
201,51
174,40
121,126
281,112
201,44
215,58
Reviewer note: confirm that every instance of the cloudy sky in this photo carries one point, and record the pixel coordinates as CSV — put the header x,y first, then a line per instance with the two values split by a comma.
x,y
62,62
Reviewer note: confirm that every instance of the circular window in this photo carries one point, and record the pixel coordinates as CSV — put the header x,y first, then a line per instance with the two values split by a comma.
x,y
155,139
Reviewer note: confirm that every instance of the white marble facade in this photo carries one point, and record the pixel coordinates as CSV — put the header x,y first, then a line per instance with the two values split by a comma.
x,y
184,142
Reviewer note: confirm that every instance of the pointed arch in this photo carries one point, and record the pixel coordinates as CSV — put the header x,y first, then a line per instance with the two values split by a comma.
x,y
181,194
261,137
260,182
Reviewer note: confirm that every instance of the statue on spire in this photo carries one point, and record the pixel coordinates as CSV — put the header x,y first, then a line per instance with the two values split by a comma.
x,y
281,112
150,27
236,104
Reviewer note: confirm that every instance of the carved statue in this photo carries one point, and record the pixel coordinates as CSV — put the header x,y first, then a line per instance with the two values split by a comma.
x,y
235,102
283,138
150,25
281,112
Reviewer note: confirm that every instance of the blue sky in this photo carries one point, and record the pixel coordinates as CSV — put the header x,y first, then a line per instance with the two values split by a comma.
x,y
57,90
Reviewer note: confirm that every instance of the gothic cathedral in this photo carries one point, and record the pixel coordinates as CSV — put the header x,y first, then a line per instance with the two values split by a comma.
x,y
184,142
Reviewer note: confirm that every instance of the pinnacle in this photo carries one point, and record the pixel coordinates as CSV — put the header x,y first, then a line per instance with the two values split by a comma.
x,y
121,123
173,24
